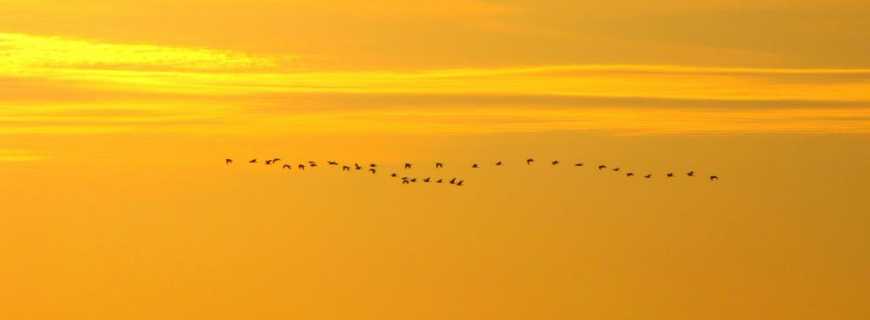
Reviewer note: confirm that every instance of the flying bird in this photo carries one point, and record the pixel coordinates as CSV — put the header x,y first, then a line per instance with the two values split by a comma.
x,y
357,166
439,181
475,166
630,174
345,168
648,176
287,166
407,166
414,180
555,162
228,161
602,167
459,184
276,160
427,180
301,166
691,173
453,181
579,164
438,165
268,162
616,169
373,165
253,161
498,164
670,174
714,178
373,171
530,160
394,175
332,163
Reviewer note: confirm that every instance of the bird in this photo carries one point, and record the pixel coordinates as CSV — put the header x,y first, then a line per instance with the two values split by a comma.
x,y
373,165
405,180
453,181
332,163
413,179
530,160
394,175
555,162
373,171
268,162
253,161
439,181
276,160
312,164
648,176
579,164
670,174
691,173
475,166
459,184
345,168
427,180
407,165
357,166
287,166
714,178
228,161
630,174
616,169
602,167
498,164
301,166
438,165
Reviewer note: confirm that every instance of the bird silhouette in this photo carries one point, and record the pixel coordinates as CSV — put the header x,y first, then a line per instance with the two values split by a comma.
x,y
394,175
475,166
332,163
275,160
578,164
345,168
228,161
268,162
453,181
312,164
602,167
407,166
357,166
530,160
714,178
301,166
427,180
414,180
438,165
555,162
691,173
439,181
405,180
459,184
670,174
630,174
253,161
373,170
287,166
648,176
616,169
373,165
498,164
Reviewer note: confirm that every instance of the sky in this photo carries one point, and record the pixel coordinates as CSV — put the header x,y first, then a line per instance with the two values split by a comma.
x,y
116,117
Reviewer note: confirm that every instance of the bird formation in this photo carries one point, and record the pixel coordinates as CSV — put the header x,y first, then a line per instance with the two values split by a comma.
x,y
373,168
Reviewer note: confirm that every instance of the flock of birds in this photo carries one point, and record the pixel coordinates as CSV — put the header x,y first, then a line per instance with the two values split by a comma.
x,y
373,169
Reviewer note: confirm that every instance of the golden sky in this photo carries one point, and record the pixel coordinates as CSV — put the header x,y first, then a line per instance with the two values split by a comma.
x,y
115,118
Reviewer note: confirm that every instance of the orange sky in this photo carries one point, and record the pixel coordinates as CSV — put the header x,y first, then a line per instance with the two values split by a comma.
x,y
115,118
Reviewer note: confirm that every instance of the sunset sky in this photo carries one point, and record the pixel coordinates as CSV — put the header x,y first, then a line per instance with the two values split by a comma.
x,y
116,117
